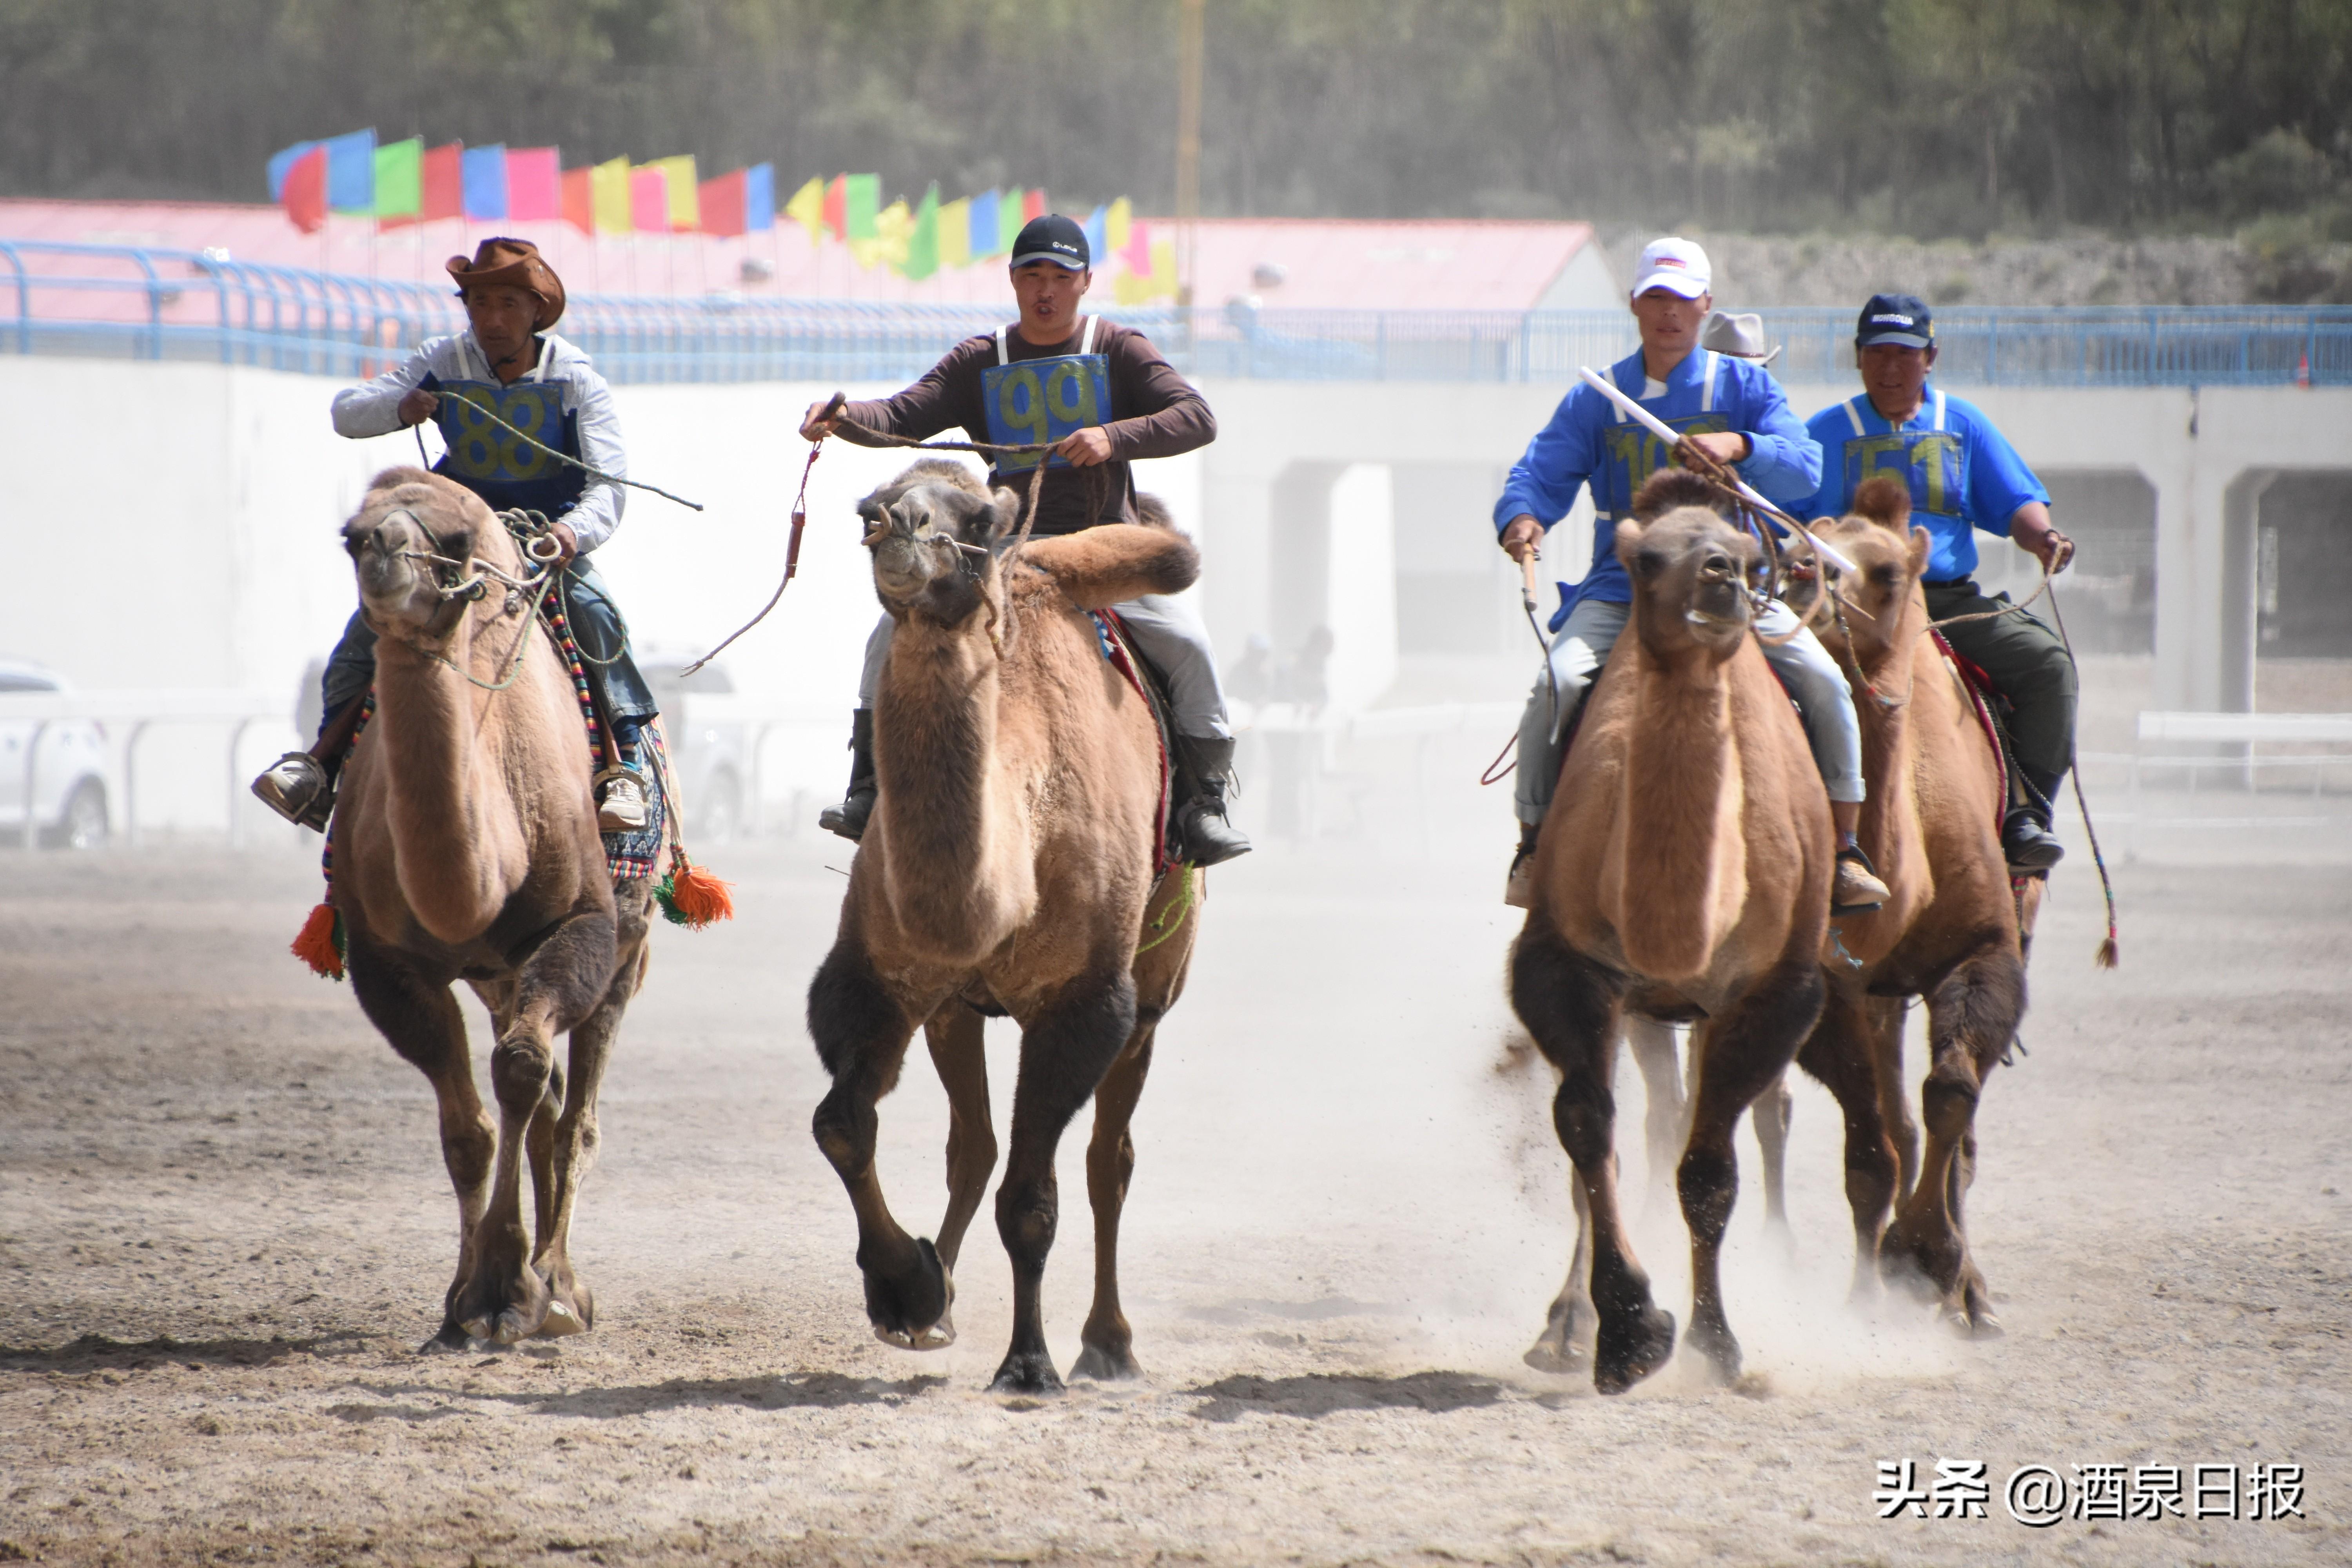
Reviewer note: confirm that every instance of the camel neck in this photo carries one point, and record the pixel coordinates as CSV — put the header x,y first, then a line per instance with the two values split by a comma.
x,y
1889,827
1684,881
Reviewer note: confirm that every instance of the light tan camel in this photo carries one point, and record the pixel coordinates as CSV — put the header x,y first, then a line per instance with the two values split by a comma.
x,y
1950,929
1684,873
1008,868
466,848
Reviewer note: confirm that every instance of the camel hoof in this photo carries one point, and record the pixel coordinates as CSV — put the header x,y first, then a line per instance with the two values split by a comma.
x,y
561,1321
1715,1344
1972,1317
901,1309
1029,1372
1630,1347
1556,1352
1105,1366
453,1339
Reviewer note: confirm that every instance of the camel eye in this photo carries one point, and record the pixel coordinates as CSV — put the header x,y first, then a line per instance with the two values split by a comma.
x,y
1649,563
1885,577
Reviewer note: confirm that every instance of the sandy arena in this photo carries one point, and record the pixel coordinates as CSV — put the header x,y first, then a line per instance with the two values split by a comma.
x,y
223,1228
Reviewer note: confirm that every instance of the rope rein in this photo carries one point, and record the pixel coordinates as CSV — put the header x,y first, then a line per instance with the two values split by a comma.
x,y
593,472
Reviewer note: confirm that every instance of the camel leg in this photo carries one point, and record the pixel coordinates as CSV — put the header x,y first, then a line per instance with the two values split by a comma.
x,y
421,1019
559,984
1972,1017
1570,1005
1067,1048
1772,1114
1742,1051
1843,1053
1568,1322
956,1036
1665,1122
1887,1015
862,1034
1107,1341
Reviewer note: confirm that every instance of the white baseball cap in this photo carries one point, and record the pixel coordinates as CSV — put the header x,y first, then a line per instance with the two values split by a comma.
x,y
1678,265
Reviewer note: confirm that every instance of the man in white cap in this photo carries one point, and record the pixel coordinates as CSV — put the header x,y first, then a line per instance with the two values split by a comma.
x,y
1732,410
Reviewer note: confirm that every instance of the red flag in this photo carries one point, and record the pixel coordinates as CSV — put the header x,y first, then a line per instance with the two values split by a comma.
x,y
836,206
580,199
723,204
305,192
445,182
1033,204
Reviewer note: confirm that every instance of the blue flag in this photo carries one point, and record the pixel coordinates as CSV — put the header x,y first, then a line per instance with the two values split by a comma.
x,y
350,172
484,181
1098,232
985,241
280,162
759,198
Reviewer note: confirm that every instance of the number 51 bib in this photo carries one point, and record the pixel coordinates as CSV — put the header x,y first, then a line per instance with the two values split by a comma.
x,y
1040,401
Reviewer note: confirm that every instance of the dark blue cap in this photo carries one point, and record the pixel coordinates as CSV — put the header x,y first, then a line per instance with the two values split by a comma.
x,y
1902,318
1054,238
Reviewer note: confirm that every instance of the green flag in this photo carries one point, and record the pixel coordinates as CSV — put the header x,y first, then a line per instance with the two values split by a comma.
x,y
861,202
923,244
400,178
1008,220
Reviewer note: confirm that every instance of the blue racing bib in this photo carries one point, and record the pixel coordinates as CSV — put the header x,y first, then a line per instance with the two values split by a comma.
x,y
1932,465
1040,401
493,462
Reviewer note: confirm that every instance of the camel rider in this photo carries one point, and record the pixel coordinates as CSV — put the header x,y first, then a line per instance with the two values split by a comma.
x,y
1963,476
1731,408
1104,397
509,363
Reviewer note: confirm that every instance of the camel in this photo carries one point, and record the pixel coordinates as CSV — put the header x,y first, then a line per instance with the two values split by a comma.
x,y
466,848
1684,875
1951,931
1009,868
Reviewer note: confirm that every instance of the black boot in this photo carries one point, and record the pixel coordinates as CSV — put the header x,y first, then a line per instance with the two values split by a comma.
x,y
1198,829
2025,837
849,817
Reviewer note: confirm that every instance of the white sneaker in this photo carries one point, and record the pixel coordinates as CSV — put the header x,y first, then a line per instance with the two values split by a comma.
x,y
620,804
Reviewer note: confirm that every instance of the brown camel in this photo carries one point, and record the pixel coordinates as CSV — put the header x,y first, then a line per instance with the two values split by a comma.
x,y
1684,874
465,848
1950,931
1008,868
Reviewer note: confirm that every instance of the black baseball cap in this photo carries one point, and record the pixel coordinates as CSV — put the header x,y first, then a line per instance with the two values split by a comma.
x,y
1054,238
1902,318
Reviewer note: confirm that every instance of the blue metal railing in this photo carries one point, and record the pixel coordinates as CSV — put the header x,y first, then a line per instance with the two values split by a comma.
x,y
122,301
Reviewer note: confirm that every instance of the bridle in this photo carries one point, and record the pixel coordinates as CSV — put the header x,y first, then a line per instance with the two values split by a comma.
x,y
467,581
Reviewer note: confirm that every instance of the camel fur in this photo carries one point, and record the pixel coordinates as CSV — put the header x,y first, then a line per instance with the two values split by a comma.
x,y
1683,874
465,848
1008,868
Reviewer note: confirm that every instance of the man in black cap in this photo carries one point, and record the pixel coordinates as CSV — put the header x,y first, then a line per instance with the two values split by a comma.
x,y
1963,476
1102,396
510,364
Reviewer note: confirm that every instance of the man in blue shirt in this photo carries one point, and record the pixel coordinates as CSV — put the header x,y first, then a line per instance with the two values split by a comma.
x,y
1731,408
1963,476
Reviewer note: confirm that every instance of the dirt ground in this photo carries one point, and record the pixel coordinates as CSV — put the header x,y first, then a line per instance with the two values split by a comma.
x,y
223,1228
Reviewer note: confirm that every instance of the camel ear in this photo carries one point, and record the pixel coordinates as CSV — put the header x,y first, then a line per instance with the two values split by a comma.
x,y
1922,542
1004,518
1628,547
1116,561
1885,501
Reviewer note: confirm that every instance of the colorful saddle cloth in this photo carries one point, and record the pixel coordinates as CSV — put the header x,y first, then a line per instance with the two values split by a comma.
x,y
1123,656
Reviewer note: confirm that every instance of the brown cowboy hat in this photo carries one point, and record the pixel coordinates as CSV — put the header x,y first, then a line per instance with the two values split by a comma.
x,y
513,264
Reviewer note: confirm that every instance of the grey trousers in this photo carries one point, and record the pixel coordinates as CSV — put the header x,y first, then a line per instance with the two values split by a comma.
x,y
1804,665
1170,635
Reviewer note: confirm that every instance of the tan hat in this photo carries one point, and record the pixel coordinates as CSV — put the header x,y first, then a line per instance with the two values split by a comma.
x,y
1742,336
513,264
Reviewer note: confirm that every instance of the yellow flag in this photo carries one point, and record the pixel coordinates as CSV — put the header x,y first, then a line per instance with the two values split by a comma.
x,y
684,195
955,232
608,186
807,208
1116,224
1127,288
893,227
1163,269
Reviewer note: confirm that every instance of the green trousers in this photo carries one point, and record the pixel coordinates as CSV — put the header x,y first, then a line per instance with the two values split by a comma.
x,y
2030,666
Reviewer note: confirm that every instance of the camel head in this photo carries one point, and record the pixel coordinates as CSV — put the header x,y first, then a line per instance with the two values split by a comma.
x,y
1689,568
936,535
409,518
1877,536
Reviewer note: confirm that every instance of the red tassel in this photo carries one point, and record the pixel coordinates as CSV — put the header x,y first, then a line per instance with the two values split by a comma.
x,y
316,945
698,896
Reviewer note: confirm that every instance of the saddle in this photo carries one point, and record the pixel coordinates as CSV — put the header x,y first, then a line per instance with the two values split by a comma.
x,y
1110,634
1991,709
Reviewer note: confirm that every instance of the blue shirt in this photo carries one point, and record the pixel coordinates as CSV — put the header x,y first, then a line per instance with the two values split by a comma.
x,y
1589,441
1963,474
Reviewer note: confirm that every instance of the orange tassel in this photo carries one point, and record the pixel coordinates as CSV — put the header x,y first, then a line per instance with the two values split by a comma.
x,y
698,896
317,946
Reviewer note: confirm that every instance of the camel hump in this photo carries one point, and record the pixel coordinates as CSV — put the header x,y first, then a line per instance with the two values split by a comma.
x,y
1152,513
1885,501
1098,567
1669,489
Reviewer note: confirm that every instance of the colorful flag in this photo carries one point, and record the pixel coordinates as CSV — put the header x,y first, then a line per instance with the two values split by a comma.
x,y
350,172
807,208
534,184
396,180
982,240
610,182
894,226
722,205
955,232
481,183
685,205
579,199
836,206
759,198
441,182
649,200
1155,281
1117,219
280,162
923,240
301,186
861,204
1009,208
1033,204
1097,229
1137,254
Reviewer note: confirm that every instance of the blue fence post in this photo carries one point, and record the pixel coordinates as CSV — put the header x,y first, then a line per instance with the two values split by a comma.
x,y
24,300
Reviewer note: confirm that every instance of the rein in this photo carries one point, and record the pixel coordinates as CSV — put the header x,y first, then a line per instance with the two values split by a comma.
x,y
534,533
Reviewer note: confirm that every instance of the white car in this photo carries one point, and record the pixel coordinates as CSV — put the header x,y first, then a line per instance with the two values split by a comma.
x,y
68,761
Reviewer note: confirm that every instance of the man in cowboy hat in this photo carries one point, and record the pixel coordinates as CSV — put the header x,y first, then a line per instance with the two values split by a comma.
x,y
510,364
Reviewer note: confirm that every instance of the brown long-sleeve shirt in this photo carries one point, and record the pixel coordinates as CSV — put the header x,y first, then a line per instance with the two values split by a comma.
x,y
1155,413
